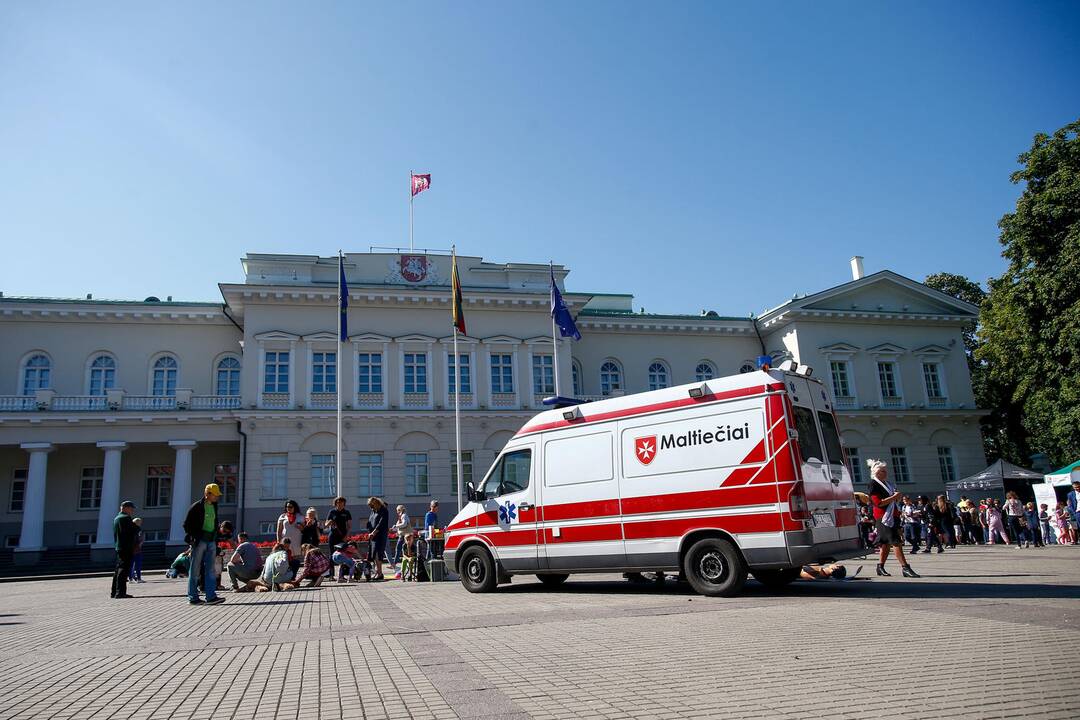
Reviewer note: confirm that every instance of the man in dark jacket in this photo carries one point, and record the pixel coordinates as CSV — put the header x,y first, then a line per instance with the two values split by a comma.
x,y
125,532
201,526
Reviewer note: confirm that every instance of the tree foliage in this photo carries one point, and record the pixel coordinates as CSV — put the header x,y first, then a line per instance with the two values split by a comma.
x,y
1030,321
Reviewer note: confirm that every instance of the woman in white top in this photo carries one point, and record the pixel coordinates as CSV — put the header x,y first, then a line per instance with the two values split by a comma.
x,y
289,525
402,527
1014,509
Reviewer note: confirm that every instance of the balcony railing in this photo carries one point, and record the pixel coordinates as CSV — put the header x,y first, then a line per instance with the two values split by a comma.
x,y
215,402
370,400
275,400
415,400
17,403
69,403
937,402
892,402
844,403
149,402
323,401
503,400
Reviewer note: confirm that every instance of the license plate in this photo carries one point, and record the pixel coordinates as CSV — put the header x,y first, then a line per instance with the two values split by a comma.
x,y
824,518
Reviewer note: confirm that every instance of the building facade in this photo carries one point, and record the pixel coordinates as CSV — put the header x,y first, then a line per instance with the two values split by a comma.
x,y
102,401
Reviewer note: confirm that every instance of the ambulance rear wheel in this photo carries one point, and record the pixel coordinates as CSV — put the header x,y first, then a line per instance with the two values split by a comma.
x,y
776,579
477,570
715,568
553,579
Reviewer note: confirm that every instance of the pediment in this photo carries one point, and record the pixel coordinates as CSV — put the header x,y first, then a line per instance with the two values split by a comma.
x,y
415,338
276,335
462,340
886,349
501,339
370,337
931,350
839,349
887,292
539,340
321,335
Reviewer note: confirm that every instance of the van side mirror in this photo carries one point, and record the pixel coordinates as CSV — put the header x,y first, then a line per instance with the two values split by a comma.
x,y
470,492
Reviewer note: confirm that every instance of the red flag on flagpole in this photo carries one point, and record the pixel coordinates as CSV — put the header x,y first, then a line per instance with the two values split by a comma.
x,y
420,183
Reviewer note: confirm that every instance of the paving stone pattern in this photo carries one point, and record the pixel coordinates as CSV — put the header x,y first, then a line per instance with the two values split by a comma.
x,y
987,633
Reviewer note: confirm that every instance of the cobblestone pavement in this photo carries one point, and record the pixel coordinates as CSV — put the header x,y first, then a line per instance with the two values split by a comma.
x,y
987,632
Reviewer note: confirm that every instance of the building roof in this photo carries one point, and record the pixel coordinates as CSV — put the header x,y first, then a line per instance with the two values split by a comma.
x,y
94,301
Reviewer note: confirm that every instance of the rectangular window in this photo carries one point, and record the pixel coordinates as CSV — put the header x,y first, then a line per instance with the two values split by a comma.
x,y
85,538
543,375
323,477
159,480
840,382
887,379
466,469
900,465
276,372
274,476
18,490
90,488
509,475
153,536
225,477
833,449
371,474
416,474
947,464
502,373
415,372
324,372
932,377
809,444
267,527
857,478
464,373
369,370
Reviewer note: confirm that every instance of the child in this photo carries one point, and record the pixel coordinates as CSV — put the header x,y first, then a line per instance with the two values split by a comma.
x,y
1031,517
345,556
408,558
136,561
993,522
1044,523
315,565
1061,522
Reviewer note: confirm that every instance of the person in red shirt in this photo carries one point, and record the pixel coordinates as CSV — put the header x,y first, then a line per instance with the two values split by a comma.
x,y
883,497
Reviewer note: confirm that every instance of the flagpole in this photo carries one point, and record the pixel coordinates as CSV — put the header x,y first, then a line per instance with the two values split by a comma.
x,y
341,344
411,196
457,398
554,335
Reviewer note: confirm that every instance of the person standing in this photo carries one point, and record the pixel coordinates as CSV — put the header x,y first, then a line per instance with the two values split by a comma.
x,y
309,528
884,497
912,516
431,520
1014,510
125,535
338,522
402,527
289,525
202,532
136,562
378,526
1074,509
1034,525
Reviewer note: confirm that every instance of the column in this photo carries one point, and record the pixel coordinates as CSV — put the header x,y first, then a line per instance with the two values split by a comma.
x,y
31,538
181,489
110,492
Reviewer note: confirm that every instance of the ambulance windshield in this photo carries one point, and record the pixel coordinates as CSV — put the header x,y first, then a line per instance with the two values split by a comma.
x,y
510,474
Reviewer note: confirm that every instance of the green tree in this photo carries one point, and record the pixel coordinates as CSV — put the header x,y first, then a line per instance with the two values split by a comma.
x,y
1030,321
1003,434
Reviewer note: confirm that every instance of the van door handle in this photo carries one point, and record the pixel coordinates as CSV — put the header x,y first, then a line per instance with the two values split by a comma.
x,y
525,506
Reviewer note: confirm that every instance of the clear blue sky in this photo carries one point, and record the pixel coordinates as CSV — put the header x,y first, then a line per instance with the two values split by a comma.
x,y
698,155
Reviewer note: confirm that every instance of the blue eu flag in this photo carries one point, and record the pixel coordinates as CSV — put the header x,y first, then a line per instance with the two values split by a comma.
x,y
343,300
560,313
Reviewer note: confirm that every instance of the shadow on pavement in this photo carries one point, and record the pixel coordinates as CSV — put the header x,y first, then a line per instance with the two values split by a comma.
x,y
925,587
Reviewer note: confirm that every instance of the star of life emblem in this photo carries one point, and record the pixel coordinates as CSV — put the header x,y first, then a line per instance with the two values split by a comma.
x,y
645,449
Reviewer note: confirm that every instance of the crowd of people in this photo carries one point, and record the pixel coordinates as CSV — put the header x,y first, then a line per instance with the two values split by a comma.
x,y
892,520
296,554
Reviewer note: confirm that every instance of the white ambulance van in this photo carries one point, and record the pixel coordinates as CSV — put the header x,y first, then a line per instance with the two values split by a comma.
x,y
712,480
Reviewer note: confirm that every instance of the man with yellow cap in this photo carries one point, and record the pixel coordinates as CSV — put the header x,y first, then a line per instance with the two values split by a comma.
x,y
201,527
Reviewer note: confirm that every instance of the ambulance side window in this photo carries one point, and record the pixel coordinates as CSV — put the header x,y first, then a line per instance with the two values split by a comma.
x,y
510,474
832,438
809,445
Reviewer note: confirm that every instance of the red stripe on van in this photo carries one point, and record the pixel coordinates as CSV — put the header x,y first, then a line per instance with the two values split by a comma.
x,y
724,497
584,533
655,407
574,511
649,529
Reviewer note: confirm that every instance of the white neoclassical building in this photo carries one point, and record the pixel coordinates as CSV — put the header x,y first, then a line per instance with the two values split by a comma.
x,y
102,401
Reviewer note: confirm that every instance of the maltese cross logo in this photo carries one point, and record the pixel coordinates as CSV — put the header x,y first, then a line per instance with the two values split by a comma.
x,y
507,513
645,449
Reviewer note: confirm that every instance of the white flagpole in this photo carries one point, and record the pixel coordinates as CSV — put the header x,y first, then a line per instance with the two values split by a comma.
x,y
554,337
340,440
411,196
457,397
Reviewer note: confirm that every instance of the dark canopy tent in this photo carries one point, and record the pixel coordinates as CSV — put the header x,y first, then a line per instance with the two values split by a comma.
x,y
994,481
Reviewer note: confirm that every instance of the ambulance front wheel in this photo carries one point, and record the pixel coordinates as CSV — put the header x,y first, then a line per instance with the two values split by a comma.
x,y
477,570
714,567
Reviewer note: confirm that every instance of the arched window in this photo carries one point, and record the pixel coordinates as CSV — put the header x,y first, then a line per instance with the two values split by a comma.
x,y
610,377
164,378
704,371
747,367
35,375
102,375
228,376
575,370
658,376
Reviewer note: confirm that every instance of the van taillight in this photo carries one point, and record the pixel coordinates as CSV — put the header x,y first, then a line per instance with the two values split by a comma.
x,y
800,510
